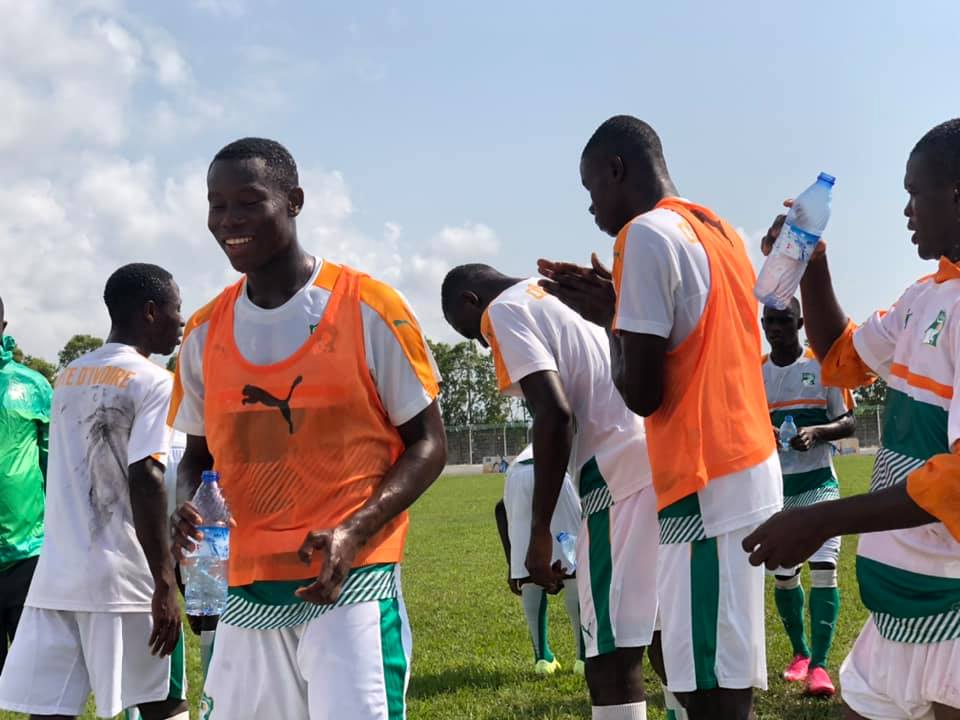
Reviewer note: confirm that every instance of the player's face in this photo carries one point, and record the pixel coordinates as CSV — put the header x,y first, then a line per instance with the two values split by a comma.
x,y
932,210
251,219
464,316
167,323
600,180
781,327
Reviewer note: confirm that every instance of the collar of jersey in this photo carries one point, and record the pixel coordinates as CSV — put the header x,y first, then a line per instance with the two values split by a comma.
x,y
947,271
7,344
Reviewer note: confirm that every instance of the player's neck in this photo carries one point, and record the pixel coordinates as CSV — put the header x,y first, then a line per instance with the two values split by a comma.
x,y
786,355
495,287
647,198
281,278
124,336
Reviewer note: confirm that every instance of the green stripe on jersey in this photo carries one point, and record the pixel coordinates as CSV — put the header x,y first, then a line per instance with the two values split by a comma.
x,y
705,609
271,604
803,417
601,578
799,483
914,428
905,594
812,497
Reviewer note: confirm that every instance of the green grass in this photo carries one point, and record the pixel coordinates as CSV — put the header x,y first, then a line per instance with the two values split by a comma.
x,y
472,657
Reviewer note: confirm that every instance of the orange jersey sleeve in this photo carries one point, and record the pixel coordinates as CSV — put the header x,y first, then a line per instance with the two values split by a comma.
x,y
936,488
842,367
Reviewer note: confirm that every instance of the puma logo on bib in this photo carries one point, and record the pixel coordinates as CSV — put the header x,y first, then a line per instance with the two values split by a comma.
x,y
253,395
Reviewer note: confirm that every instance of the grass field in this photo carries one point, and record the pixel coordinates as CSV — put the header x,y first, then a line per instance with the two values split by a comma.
x,y
472,657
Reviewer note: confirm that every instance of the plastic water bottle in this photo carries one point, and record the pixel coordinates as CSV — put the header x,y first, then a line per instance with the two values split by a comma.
x,y
780,275
205,569
788,431
568,548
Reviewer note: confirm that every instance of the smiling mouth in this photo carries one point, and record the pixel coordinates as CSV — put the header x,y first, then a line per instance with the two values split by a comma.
x,y
237,241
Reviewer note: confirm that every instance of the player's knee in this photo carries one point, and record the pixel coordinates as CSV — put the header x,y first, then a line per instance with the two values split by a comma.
x,y
616,678
788,582
165,710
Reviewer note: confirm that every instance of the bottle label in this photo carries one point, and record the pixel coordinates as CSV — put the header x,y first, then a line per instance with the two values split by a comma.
x,y
215,543
795,243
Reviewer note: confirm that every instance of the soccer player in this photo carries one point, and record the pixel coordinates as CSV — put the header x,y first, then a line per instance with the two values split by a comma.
x,y
791,375
684,341
513,523
103,613
24,432
561,365
906,660
310,387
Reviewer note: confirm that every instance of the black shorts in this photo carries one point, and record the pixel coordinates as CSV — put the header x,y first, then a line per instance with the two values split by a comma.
x,y
14,583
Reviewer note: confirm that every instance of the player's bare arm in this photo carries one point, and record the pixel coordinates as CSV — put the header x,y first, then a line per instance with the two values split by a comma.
x,y
423,459
808,437
148,500
552,442
790,537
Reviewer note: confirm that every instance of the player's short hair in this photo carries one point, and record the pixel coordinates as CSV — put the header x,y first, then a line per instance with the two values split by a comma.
x,y
793,306
631,138
133,285
281,167
941,149
463,277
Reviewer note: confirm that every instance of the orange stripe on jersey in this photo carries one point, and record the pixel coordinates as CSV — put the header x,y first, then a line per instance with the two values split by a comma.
x,y
486,329
388,304
617,271
200,317
946,271
921,381
797,403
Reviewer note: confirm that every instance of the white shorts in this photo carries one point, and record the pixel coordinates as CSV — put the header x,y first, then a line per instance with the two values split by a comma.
x,y
889,680
351,662
59,657
518,501
829,552
712,615
616,574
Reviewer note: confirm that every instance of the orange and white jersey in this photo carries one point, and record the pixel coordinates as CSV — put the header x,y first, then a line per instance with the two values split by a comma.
x,y
109,412
711,435
910,579
400,362
530,331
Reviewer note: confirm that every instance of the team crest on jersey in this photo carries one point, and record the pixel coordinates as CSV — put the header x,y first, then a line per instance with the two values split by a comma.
x,y
808,379
932,334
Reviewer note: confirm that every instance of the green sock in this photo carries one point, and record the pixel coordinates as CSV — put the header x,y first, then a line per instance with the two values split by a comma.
x,y
545,652
790,606
824,610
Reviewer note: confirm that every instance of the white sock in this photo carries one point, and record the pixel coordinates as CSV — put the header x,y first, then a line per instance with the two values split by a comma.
x,y
206,649
185,715
534,601
572,601
633,711
675,710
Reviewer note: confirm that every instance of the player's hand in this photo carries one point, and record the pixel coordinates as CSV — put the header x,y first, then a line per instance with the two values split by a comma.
x,y
337,549
588,291
184,529
165,609
767,241
805,439
539,554
787,539
513,584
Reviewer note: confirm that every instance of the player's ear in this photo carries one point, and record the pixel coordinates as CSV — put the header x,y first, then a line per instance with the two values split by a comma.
x,y
800,323
470,298
617,170
295,201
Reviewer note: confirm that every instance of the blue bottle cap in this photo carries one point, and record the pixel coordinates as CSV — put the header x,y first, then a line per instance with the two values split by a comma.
x,y
210,476
788,418
828,179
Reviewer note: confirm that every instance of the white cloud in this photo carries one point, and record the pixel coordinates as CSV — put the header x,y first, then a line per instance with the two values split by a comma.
x,y
470,240
228,8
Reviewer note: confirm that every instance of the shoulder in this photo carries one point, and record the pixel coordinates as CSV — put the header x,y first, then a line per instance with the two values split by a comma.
x,y
660,227
31,377
201,317
386,302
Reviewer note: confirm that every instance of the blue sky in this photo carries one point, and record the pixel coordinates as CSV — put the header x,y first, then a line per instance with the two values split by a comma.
x,y
434,133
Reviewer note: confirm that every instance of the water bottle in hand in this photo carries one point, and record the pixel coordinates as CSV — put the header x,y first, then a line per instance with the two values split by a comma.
x,y
568,549
788,431
780,275
205,569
